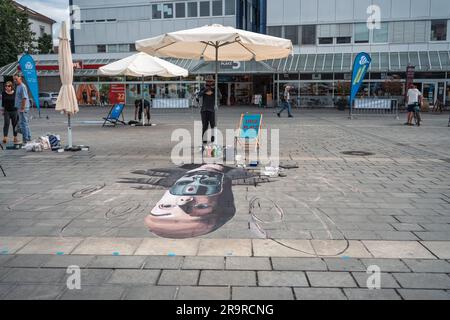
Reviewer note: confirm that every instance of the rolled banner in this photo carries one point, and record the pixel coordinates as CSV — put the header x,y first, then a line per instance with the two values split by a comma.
x,y
360,68
28,68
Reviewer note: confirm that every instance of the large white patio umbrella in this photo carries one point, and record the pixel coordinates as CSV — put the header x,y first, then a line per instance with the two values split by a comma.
x,y
143,65
67,99
217,43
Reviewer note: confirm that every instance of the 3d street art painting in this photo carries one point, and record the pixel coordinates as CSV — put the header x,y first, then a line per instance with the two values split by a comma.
x,y
199,199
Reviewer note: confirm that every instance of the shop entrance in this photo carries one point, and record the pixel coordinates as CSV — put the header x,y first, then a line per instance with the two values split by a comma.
x,y
429,91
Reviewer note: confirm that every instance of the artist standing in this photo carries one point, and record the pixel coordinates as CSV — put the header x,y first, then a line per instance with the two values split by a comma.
x,y
208,110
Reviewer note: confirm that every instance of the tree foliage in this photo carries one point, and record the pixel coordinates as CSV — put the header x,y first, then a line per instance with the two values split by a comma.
x,y
16,36
45,44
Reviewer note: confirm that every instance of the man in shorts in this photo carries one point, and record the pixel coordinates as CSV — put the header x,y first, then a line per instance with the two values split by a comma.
x,y
413,101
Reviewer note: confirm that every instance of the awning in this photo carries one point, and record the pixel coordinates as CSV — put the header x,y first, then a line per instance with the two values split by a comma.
x,y
299,63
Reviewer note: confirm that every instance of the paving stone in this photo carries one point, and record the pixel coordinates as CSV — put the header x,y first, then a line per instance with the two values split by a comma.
x,y
423,280
262,294
94,293
93,276
397,250
439,248
299,264
21,275
227,278
366,294
5,258
47,245
117,262
150,293
34,292
331,279
319,294
164,247
28,261
11,245
387,280
204,263
179,277
387,265
225,248
4,289
269,248
203,293
428,266
282,279
245,263
341,264
411,294
66,261
107,246
134,277
340,248
158,262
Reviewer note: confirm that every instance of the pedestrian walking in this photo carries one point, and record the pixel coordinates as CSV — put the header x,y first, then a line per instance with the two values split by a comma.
x,y
9,111
208,110
22,104
286,103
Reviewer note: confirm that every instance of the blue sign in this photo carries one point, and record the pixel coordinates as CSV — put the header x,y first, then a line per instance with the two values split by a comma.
x,y
28,67
360,67
250,126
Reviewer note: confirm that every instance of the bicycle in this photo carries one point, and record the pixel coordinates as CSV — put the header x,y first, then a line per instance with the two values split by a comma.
x,y
417,116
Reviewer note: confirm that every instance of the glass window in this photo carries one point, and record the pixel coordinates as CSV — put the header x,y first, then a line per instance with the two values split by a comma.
x,y
205,9
101,48
133,47
156,11
439,30
124,47
274,31
291,33
217,8
343,40
327,40
112,48
361,33
230,7
192,9
168,10
381,35
309,35
180,10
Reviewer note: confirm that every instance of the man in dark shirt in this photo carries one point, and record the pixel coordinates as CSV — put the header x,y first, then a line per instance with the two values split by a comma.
x,y
208,110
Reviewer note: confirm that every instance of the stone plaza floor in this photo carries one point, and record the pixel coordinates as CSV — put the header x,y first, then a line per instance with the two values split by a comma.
x,y
341,213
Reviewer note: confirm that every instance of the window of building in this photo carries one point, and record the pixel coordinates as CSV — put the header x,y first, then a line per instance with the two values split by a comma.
x,y
156,11
124,48
308,35
205,9
361,33
343,40
217,8
274,31
101,48
381,35
291,33
439,30
192,9
133,47
112,48
180,10
326,40
168,10
230,7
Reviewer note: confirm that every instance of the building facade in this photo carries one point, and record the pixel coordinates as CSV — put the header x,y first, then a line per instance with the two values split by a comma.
x,y
327,35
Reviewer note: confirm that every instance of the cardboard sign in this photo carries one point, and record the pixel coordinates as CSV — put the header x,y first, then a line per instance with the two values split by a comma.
x,y
250,126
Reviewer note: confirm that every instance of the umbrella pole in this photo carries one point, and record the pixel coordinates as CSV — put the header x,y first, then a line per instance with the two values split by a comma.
x,y
69,133
143,102
217,88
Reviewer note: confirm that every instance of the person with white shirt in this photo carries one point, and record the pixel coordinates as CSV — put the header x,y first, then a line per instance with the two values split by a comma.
x,y
414,100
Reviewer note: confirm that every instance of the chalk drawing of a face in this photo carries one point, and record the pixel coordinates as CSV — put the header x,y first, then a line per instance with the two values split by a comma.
x,y
199,200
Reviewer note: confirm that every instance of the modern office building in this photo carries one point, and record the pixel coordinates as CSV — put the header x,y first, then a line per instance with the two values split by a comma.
x,y
327,35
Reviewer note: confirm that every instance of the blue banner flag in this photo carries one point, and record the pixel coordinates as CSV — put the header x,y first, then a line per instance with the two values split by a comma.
x,y
28,68
360,67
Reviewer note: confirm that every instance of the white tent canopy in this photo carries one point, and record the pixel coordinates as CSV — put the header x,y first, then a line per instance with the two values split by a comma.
x,y
143,65
201,43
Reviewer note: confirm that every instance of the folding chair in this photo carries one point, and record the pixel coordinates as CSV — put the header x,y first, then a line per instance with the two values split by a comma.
x,y
114,115
249,132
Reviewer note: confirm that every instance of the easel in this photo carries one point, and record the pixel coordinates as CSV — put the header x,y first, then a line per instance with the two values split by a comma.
x,y
244,137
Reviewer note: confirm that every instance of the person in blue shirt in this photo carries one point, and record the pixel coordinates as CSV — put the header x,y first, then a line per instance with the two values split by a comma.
x,y
22,104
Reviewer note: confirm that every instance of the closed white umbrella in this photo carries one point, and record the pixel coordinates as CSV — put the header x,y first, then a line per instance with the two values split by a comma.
x,y
217,43
143,65
67,99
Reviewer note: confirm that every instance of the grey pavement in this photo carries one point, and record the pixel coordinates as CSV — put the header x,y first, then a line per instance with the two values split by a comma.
x,y
342,214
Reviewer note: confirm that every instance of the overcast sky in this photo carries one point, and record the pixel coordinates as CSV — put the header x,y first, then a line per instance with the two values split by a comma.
x,y
58,10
